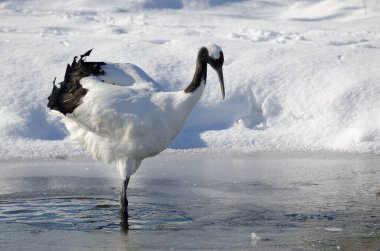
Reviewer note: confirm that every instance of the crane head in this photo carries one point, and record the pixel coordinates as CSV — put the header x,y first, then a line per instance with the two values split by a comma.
x,y
216,60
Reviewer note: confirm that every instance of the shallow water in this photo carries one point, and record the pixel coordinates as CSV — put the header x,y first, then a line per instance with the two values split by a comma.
x,y
194,201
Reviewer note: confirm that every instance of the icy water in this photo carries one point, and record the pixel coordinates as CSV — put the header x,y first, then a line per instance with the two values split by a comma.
x,y
193,201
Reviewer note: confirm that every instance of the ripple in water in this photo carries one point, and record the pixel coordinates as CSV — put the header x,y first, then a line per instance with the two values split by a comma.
x,y
87,214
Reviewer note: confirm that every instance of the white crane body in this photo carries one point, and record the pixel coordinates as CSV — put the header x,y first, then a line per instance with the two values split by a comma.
x,y
120,114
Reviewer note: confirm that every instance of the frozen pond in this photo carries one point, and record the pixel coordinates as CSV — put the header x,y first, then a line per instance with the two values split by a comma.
x,y
184,201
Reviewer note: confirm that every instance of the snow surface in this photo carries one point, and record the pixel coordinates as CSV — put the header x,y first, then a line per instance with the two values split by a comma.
x,y
299,75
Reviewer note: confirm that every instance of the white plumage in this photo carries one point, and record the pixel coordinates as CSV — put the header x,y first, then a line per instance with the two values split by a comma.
x,y
121,114
121,123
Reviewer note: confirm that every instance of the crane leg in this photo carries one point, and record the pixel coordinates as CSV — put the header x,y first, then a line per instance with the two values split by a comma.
x,y
124,201
127,167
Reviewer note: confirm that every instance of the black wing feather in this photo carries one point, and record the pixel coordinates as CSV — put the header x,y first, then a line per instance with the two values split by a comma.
x,y
70,92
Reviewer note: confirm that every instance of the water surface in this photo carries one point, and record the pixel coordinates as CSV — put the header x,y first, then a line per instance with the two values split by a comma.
x,y
186,201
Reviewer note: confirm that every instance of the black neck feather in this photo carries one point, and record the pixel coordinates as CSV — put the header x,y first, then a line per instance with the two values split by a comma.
x,y
200,73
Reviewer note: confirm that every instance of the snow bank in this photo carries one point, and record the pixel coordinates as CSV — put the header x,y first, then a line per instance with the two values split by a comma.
x,y
299,75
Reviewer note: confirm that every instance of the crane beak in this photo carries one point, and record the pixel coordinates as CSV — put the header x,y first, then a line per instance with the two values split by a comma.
x,y
221,80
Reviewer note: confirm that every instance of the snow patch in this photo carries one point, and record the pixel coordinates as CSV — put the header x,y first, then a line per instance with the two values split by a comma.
x,y
257,35
299,75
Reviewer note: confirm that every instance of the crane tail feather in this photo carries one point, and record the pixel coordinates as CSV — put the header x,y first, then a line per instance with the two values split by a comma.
x,y
69,93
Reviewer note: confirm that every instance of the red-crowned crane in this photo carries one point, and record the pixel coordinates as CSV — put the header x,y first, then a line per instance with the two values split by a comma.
x,y
120,114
